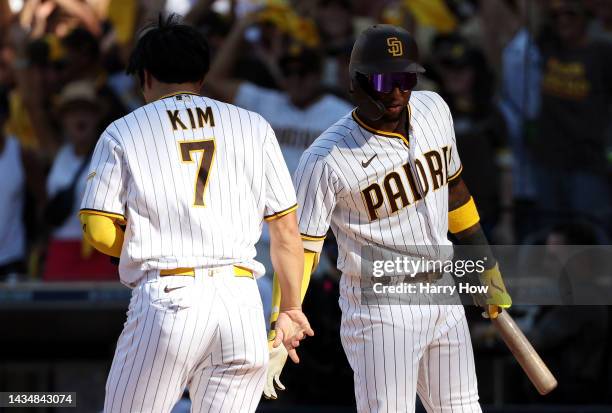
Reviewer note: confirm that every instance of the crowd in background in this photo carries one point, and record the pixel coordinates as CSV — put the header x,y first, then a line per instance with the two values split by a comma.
x,y
529,84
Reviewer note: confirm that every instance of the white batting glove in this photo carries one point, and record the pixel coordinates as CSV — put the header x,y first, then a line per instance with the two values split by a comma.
x,y
278,357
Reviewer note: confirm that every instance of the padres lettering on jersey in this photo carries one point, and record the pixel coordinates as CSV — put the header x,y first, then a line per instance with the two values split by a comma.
x,y
193,178
378,188
394,185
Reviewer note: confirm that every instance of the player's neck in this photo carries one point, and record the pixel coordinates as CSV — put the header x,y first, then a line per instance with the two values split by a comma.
x,y
387,125
159,90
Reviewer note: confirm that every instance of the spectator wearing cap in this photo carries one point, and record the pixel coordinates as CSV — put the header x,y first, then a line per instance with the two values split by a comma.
x,y
467,86
12,187
68,257
298,113
570,149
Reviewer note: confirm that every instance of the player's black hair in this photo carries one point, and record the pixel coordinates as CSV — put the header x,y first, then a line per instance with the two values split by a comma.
x,y
171,52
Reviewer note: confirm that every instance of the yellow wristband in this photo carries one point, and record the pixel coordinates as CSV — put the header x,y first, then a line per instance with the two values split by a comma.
x,y
463,217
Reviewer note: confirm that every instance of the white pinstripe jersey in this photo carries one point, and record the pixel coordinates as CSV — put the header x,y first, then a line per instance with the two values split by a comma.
x,y
193,178
378,188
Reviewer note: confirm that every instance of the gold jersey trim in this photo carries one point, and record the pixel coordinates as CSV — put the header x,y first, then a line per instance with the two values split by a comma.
x,y
279,214
456,174
182,92
313,237
381,132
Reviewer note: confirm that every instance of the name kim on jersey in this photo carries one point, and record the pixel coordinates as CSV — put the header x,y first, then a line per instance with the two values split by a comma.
x,y
429,173
198,119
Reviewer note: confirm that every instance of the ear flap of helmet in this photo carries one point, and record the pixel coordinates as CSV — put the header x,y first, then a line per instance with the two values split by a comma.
x,y
369,107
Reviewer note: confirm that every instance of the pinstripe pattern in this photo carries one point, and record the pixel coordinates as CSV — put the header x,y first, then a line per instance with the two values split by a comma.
x,y
140,175
330,179
373,189
208,335
398,351
207,332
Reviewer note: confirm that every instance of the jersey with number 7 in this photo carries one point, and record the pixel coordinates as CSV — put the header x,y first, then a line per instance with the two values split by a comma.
x,y
192,178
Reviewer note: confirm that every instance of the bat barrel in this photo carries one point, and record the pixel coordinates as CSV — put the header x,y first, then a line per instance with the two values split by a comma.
x,y
525,354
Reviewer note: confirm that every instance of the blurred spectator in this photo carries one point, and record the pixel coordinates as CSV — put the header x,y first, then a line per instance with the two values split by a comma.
x,y
213,25
68,257
12,186
81,54
83,62
33,79
335,23
572,338
298,113
498,21
520,104
466,84
570,151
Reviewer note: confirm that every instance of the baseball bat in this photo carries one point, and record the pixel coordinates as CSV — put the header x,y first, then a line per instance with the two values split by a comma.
x,y
532,364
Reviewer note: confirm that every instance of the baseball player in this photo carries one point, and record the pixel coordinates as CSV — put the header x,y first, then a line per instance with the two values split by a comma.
x,y
179,189
389,175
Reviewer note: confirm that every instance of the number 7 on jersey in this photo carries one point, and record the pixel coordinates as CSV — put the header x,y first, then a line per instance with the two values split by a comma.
x,y
207,147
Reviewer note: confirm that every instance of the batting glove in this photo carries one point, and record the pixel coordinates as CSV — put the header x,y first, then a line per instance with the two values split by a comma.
x,y
497,294
278,357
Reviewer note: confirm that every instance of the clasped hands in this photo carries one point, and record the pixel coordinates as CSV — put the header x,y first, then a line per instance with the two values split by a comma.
x,y
291,327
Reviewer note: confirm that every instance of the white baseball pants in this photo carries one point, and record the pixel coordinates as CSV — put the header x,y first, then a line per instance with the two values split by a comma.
x,y
206,333
397,351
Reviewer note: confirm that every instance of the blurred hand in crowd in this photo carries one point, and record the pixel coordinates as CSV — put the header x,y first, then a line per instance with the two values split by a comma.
x,y
58,17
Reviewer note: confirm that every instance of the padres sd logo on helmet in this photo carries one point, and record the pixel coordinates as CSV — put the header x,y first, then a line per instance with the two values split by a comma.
x,y
395,47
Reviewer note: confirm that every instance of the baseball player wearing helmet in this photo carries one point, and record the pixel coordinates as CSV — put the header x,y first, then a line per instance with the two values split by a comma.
x,y
389,175
179,190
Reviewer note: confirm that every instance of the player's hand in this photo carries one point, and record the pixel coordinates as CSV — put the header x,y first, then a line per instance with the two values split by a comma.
x,y
278,358
497,295
291,327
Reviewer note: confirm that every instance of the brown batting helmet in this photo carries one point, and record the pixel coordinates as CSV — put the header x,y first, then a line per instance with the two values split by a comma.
x,y
381,48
